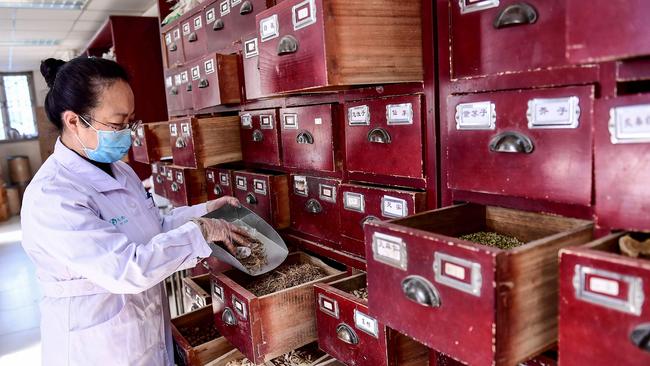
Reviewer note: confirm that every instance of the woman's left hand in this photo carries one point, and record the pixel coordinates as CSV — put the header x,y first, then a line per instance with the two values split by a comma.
x,y
222,201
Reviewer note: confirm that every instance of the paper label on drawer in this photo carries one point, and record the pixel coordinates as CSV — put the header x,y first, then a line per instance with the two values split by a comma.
x,y
210,176
290,121
318,121
168,38
198,23
266,122
470,6
609,289
177,80
185,128
240,182
399,114
630,124
366,323
196,73
300,186
476,116
186,29
259,186
393,207
327,193
234,3
185,77
177,34
359,116
553,113
209,66
250,48
169,82
154,168
389,250
246,121
240,308
218,292
141,131
210,16
354,202
328,306
173,131
199,301
458,273
269,28
303,14
179,177
224,8
170,175
224,179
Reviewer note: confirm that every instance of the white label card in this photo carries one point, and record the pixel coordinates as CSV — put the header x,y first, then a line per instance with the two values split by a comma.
x,y
169,82
187,29
359,116
327,193
173,130
211,176
209,66
177,34
390,250
198,23
366,323
240,308
328,306
630,124
196,73
241,183
470,6
454,271
399,114
290,121
266,122
178,79
476,116
250,48
353,201
604,286
553,113
393,207
318,121
303,14
224,8
210,16
223,178
269,28
168,38
141,131
259,186
184,77
218,291
300,185
247,121
179,177
234,3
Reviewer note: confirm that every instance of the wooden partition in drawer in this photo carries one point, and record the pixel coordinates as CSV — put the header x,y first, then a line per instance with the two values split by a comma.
x,y
201,142
201,354
489,306
151,142
266,327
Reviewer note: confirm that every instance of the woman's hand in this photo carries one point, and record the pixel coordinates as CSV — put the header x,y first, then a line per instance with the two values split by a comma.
x,y
222,201
222,231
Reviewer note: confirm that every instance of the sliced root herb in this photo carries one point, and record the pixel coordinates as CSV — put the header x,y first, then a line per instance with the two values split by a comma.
x,y
285,277
634,248
493,239
304,356
257,259
361,293
198,335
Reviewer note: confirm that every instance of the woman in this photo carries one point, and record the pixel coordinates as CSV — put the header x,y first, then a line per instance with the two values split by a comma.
x,y
100,246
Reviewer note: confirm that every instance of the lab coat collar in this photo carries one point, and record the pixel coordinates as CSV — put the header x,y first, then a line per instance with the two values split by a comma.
x,y
87,172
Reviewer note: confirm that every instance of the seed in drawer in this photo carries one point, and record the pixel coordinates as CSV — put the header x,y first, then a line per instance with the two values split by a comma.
x,y
493,239
361,293
633,248
198,335
285,277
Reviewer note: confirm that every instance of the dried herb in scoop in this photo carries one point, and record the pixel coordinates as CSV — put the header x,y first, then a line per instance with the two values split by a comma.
x,y
285,277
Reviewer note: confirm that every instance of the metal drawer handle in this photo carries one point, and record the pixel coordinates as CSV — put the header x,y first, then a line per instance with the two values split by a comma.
x,y
188,87
305,138
511,142
258,136
640,336
174,91
217,190
218,25
287,45
203,83
516,14
379,136
137,142
420,291
246,8
346,334
193,37
159,179
367,219
228,317
313,206
173,47
175,187
250,199
180,143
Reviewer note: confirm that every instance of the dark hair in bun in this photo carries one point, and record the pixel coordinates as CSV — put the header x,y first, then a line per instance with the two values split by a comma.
x,y
76,85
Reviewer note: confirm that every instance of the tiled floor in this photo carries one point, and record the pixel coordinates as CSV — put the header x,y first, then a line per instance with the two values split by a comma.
x,y
20,341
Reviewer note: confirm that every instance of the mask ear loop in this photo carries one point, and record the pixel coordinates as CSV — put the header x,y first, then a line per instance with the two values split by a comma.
x,y
85,149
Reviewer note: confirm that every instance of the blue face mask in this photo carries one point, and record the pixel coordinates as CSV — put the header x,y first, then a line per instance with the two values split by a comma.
x,y
111,145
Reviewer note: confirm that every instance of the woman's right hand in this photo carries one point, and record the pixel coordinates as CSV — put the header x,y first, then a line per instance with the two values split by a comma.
x,y
218,230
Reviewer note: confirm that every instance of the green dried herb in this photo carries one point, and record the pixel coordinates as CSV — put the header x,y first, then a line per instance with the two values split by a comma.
x,y
493,239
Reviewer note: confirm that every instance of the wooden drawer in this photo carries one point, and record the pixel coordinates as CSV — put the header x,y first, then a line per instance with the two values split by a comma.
x,y
185,187
159,173
347,332
151,142
308,137
318,357
265,193
251,55
196,292
215,81
546,359
315,44
365,203
265,327
173,85
260,136
219,180
379,133
227,21
197,355
535,144
622,168
315,208
490,306
201,142
615,35
173,44
186,90
491,37
604,300
193,34
209,265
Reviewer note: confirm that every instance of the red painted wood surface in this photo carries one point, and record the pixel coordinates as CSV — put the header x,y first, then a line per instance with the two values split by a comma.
x,y
173,85
186,90
257,191
260,138
604,30
159,174
215,84
193,34
479,48
596,317
560,162
173,44
210,265
219,180
251,71
622,170
402,138
309,137
361,203
182,142
227,21
324,196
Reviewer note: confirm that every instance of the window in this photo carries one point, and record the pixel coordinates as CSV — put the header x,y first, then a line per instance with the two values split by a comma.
x,y
17,117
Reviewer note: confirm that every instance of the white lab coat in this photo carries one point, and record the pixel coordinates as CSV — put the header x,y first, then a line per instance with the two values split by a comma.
x,y
101,249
